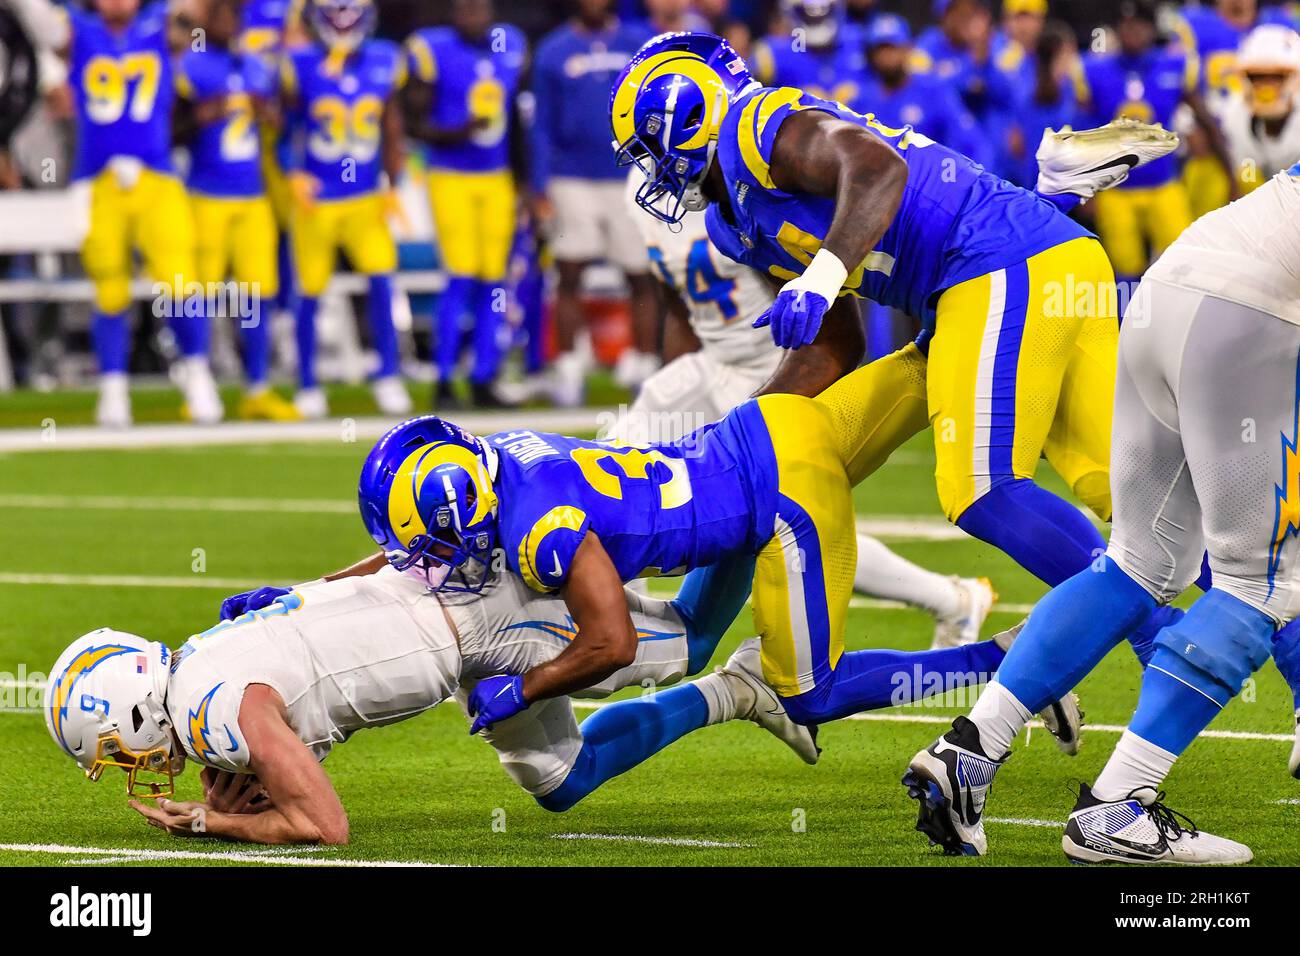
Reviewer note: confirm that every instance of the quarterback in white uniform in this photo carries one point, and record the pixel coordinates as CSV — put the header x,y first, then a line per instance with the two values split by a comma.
x,y
715,359
1262,122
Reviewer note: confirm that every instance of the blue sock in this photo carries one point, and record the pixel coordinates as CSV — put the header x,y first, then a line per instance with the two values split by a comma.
x,y
111,336
1143,638
304,327
452,305
619,736
876,678
1286,654
708,602
379,310
1046,535
191,330
489,303
1169,713
530,294
255,334
1070,631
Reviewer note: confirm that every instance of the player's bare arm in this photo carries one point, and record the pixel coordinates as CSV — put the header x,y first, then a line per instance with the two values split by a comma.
x,y
837,350
679,338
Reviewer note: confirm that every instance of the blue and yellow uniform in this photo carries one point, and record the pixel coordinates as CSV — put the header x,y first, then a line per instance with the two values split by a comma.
x,y
123,91
1018,367
471,188
234,224
335,127
839,73
772,479
1152,205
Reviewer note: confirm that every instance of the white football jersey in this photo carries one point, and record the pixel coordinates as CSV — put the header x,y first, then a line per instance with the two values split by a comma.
x,y
723,297
1248,144
358,652
1246,252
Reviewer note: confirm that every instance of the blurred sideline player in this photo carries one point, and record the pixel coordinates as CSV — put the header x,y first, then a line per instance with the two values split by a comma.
x,y
123,86
1262,121
1211,339
577,190
344,152
235,234
715,360
823,52
1146,79
460,103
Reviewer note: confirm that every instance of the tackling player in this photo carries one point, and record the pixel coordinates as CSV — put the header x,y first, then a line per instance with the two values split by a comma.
x,y
1211,340
344,132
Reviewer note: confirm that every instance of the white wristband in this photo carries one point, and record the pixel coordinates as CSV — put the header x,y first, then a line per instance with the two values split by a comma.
x,y
825,275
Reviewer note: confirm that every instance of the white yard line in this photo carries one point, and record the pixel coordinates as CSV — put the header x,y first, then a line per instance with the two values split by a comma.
x,y
1025,822
162,503
125,855
660,841
129,581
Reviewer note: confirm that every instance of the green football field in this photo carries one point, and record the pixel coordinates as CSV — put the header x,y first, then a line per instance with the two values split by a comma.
x,y
150,540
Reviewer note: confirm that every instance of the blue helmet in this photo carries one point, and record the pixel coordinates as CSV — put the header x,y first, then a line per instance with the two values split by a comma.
x,y
666,108
427,498
342,23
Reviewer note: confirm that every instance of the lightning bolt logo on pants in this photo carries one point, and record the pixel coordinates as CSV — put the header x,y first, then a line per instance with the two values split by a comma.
x,y
1286,520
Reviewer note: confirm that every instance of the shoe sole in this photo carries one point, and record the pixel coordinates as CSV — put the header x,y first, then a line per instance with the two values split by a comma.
x,y
1083,856
933,813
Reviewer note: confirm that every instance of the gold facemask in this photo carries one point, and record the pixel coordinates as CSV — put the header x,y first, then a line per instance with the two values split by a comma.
x,y
157,763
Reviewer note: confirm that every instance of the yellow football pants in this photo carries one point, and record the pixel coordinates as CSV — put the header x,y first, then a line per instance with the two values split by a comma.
x,y
358,226
151,217
1128,220
1022,364
236,238
803,577
474,214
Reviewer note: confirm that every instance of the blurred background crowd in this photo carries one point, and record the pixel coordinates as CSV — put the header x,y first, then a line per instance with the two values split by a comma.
x,y
519,273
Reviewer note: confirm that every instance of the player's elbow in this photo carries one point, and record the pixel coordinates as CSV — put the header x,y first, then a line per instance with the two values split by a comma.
x,y
333,831
618,650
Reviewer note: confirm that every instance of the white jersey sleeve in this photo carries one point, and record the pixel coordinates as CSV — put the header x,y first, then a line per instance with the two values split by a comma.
x,y
723,297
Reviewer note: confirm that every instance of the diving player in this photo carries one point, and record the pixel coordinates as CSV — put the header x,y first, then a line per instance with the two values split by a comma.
x,y
841,205
460,102
344,133
1262,121
714,360
1212,340
120,71
224,95
268,694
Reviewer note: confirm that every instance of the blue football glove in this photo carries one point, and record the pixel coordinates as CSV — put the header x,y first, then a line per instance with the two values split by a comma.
x,y
495,698
795,317
254,600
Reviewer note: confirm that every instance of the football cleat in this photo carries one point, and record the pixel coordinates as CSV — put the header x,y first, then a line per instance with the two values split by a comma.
x,y
1087,161
202,403
757,701
1141,829
311,403
265,405
391,396
975,597
950,781
113,409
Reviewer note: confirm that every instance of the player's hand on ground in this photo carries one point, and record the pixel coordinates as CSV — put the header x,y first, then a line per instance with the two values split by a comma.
x,y
182,819
495,698
254,600
795,317
228,792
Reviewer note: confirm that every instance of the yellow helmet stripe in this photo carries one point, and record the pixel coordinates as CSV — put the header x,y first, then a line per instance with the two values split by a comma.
x,y
84,662
403,498
622,118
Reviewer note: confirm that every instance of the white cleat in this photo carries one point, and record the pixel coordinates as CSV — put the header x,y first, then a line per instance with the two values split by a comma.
x,y
757,701
1063,718
568,380
113,410
950,782
1088,161
202,402
391,396
975,597
1141,829
311,403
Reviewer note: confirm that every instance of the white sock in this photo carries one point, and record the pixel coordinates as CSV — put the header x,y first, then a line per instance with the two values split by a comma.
x,y
882,573
999,717
717,695
1135,764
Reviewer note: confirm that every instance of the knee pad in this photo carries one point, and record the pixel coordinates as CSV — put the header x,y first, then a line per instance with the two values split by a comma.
x,y
1216,646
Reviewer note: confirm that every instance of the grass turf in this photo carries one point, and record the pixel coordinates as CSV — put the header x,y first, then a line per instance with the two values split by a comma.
x,y
425,791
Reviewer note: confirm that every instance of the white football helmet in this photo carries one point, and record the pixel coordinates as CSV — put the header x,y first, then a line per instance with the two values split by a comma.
x,y
1269,62
105,706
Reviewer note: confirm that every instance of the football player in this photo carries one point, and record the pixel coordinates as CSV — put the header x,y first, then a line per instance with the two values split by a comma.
x,y
1211,340
823,52
1262,122
224,93
460,103
344,152
123,87
837,204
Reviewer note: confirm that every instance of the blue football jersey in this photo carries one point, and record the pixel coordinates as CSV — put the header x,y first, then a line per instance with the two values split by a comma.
x,y
470,81
955,222
663,509
338,110
839,73
122,89
225,156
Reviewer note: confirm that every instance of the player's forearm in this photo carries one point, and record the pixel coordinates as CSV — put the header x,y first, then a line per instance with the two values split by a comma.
x,y
867,198
587,661
837,350
274,827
